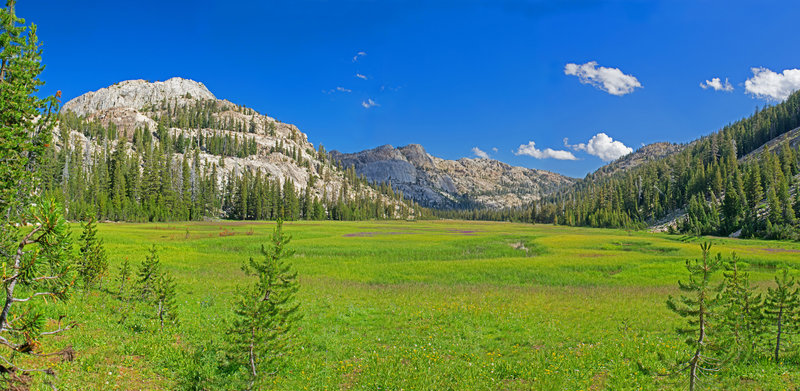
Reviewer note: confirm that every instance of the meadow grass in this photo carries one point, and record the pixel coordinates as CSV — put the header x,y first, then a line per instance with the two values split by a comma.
x,y
429,305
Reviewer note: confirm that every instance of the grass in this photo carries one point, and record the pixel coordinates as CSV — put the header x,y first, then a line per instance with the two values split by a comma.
x,y
434,305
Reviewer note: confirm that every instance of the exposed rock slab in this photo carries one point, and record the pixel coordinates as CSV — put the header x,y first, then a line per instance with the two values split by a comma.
x,y
444,184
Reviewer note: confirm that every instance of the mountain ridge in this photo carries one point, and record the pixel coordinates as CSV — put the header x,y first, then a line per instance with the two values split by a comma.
x,y
452,184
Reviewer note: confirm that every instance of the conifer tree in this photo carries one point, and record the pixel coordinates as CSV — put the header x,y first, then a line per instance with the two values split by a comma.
x,y
149,272
697,307
124,277
781,307
164,299
742,317
265,311
92,261
36,261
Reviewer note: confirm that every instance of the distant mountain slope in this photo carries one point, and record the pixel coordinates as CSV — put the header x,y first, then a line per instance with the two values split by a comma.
x,y
136,94
647,153
448,184
736,181
166,128
791,137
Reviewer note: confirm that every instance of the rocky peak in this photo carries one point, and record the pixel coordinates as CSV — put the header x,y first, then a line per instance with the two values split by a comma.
x,y
137,94
440,183
416,155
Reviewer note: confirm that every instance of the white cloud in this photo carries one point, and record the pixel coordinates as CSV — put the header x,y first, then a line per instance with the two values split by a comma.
x,y
717,84
359,54
769,85
368,103
610,80
481,154
360,76
531,150
337,89
602,146
494,149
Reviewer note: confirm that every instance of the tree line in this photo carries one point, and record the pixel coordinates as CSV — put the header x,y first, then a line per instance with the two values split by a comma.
x,y
158,176
708,183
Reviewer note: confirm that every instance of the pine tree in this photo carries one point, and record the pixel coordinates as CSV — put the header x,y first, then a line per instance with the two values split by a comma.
x,y
92,263
781,307
149,272
37,261
698,309
164,299
124,277
742,317
265,311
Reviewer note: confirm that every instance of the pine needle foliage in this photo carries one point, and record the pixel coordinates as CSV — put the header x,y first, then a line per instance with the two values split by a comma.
x,y
164,299
265,311
742,320
148,274
92,262
35,246
781,308
698,307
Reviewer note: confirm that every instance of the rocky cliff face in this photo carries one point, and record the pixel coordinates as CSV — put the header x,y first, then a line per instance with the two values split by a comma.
x,y
444,184
283,151
137,94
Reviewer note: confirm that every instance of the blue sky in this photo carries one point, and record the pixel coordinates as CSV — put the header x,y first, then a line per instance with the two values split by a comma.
x,y
452,75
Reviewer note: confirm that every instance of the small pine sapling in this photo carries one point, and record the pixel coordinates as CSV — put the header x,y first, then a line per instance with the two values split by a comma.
x,y
742,317
697,307
124,278
164,298
265,311
781,308
149,271
92,262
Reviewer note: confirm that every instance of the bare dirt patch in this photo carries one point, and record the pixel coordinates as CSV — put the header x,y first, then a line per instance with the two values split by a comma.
x,y
779,250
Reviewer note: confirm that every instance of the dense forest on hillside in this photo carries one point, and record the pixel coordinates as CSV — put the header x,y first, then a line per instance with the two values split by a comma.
x,y
707,185
158,175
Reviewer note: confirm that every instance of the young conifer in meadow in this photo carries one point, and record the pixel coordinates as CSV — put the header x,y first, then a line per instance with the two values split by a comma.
x,y
265,311
124,278
742,320
781,308
697,307
148,274
157,287
92,260
164,299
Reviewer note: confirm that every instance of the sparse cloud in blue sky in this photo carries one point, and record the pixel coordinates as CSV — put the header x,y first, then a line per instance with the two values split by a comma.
x,y
717,84
602,146
769,85
530,149
358,55
479,153
610,80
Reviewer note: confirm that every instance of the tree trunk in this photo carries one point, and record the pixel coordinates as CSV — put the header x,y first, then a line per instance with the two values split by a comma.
x,y
253,373
778,338
695,363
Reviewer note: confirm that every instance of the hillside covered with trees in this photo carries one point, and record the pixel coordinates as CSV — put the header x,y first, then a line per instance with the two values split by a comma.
x,y
721,184
191,157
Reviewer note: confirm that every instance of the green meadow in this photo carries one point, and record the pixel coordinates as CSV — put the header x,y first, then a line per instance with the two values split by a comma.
x,y
429,305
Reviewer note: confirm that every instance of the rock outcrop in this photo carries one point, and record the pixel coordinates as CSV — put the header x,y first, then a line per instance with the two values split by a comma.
x,y
446,184
137,94
283,151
